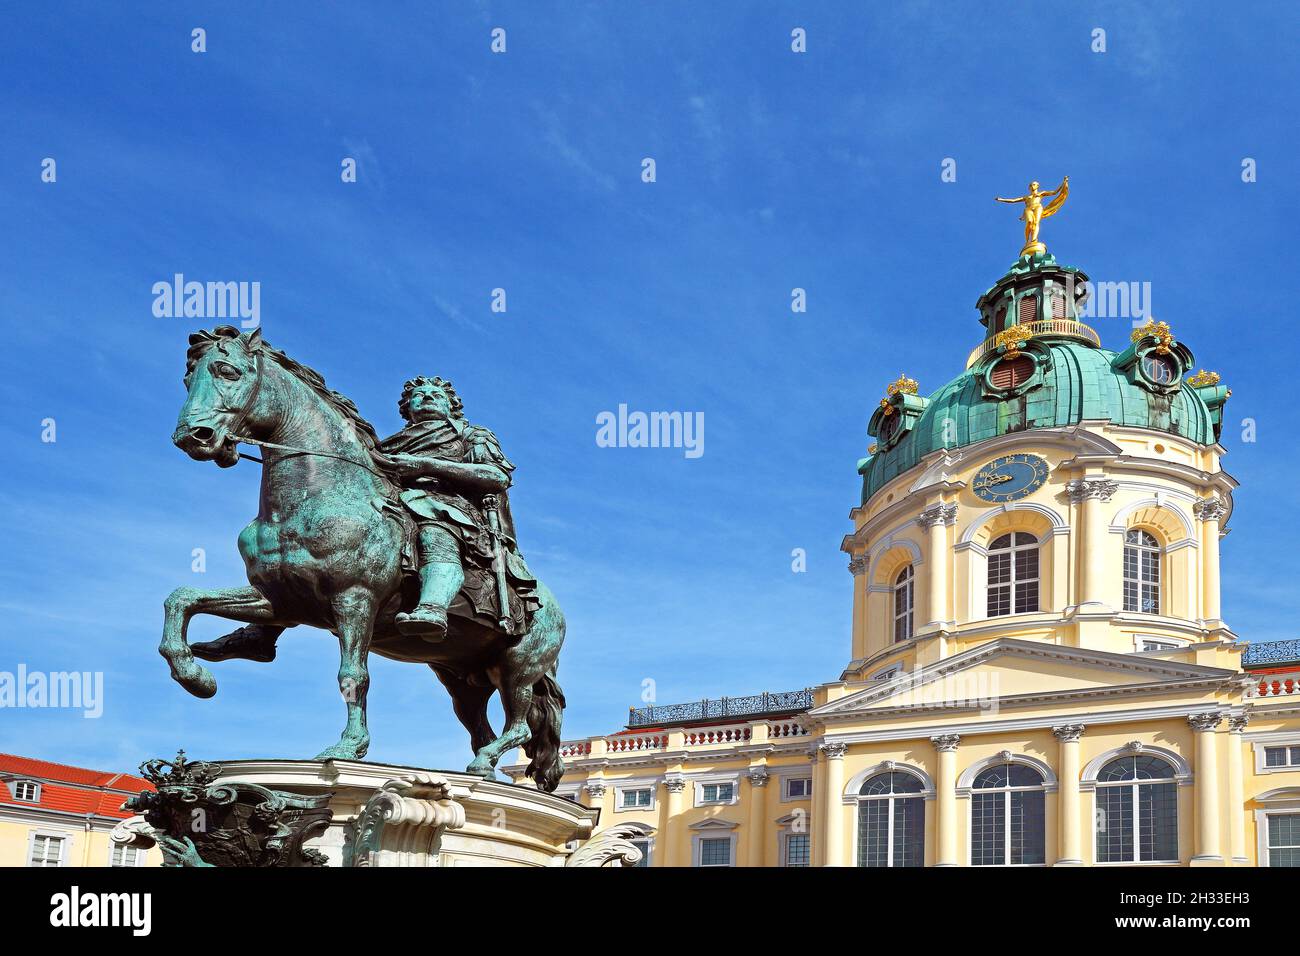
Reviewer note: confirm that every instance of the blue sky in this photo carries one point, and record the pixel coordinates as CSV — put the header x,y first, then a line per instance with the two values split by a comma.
x,y
522,171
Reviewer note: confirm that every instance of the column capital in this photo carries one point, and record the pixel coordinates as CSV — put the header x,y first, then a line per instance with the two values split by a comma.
x,y
1207,721
858,566
675,784
940,514
1081,489
1209,509
758,776
945,742
834,751
1068,733
595,788
1237,723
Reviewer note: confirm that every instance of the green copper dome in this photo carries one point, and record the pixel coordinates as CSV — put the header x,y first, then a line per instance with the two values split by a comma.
x,y
1056,377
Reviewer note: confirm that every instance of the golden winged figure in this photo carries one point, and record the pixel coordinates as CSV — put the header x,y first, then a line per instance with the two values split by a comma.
x,y
1035,212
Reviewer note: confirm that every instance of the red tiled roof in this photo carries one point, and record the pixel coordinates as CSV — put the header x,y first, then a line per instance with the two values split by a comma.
x,y
70,789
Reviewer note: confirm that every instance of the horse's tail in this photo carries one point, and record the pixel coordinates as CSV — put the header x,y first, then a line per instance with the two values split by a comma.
x,y
545,713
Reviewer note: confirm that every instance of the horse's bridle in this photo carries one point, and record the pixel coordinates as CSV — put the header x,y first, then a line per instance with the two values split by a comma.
x,y
242,415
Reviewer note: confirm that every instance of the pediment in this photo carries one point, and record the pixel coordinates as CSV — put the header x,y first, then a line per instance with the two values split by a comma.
x,y
1010,668
713,824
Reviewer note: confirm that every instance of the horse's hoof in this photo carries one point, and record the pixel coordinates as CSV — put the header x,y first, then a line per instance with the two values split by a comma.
x,y
195,678
345,751
482,770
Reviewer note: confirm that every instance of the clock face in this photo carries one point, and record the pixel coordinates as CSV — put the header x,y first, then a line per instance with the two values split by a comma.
x,y
1009,478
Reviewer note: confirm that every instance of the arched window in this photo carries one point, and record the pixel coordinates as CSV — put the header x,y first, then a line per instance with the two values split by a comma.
x,y
1137,811
1141,572
1013,574
1007,821
891,821
904,594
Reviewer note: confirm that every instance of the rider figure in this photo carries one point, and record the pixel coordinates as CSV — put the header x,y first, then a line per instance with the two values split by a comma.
x,y
451,474
447,468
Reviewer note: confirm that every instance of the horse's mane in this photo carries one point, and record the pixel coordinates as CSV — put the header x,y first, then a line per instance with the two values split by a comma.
x,y
203,340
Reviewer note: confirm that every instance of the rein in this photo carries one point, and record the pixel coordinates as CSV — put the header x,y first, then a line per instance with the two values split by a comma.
x,y
293,449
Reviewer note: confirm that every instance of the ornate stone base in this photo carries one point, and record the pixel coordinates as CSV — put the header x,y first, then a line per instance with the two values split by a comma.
x,y
403,816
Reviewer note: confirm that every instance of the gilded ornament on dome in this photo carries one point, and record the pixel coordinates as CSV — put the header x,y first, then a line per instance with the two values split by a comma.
x,y
1160,331
1012,338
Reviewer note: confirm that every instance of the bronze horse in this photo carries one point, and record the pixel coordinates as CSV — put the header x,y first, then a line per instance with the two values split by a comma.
x,y
325,550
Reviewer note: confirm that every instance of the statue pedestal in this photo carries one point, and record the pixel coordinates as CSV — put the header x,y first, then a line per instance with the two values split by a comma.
x,y
403,816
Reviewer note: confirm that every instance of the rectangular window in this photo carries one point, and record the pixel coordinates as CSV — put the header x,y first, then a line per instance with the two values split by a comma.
x,y
46,850
1284,839
717,792
640,797
1159,646
715,851
988,836
125,856
798,788
644,847
1158,821
26,791
797,850
1282,756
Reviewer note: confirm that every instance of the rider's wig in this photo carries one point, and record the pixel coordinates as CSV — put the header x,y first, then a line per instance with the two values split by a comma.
x,y
424,381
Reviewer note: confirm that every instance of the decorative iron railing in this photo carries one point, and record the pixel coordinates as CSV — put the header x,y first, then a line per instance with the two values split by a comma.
x,y
1271,652
789,701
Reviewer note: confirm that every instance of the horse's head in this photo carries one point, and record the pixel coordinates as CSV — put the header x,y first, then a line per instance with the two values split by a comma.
x,y
222,370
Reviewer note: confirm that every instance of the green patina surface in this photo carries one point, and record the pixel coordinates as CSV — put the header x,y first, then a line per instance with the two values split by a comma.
x,y
1081,384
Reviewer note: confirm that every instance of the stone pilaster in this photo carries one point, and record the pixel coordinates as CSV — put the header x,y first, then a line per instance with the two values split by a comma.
x,y
945,798
1090,494
1208,851
757,837
833,804
935,520
1069,811
1236,791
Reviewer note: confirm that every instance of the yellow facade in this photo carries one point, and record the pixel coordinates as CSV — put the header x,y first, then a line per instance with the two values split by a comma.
x,y
1074,695
81,844
60,816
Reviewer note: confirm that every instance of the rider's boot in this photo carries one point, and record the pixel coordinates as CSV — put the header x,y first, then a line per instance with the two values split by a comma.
x,y
427,621
439,582
253,642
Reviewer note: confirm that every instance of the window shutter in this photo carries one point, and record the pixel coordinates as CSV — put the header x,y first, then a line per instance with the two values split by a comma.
x,y
1013,373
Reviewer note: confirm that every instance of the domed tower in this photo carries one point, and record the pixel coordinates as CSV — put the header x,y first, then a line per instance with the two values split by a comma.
x,y
1054,491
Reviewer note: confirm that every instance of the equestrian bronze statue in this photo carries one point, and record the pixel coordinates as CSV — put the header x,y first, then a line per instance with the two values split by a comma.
x,y
403,547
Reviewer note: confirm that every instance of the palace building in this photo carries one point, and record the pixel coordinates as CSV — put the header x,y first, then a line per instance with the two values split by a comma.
x,y
1039,672
55,815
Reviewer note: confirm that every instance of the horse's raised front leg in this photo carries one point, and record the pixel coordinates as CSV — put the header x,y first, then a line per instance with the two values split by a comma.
x,y
354,614
244,604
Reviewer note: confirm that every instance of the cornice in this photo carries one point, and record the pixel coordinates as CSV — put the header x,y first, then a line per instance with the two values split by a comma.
x,y
1020,701
1044,722
1167,672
